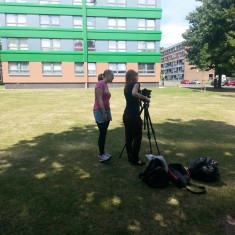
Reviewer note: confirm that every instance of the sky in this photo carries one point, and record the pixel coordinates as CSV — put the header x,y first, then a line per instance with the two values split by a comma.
x,y
173,22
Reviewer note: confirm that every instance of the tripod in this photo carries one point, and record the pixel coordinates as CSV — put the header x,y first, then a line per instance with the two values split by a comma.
x,y
148,123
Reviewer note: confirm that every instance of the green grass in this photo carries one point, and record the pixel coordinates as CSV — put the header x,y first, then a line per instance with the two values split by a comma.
x,y
52,183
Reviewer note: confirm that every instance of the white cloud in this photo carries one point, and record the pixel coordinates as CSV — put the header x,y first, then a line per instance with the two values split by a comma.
x,y
172,33
173,22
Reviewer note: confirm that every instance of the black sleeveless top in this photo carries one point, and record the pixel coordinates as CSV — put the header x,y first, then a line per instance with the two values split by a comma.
x,y
132,103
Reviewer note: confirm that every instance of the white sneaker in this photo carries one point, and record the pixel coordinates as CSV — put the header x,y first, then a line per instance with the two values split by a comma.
x,y
106,154
104,158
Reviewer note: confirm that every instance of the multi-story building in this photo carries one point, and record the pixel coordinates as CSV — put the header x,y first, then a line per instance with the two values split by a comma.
x,y
175,66
67,43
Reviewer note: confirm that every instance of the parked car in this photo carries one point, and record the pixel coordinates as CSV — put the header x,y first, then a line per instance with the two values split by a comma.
x,y
222,82
195,81
230,83
185,82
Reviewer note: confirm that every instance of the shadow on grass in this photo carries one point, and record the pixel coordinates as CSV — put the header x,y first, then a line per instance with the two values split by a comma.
x,y
54,184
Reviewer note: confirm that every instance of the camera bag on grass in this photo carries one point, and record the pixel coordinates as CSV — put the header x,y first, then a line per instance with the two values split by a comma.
x,y
180,176
155,175
204,169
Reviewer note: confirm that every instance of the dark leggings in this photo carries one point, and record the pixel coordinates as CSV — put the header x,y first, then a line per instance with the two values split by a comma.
x,y
103,127
133,133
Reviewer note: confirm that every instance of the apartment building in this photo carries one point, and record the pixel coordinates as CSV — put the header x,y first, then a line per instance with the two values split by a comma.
x,y
174,66
68,43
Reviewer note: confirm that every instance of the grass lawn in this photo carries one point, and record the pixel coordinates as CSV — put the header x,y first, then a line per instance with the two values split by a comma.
x,y
52,183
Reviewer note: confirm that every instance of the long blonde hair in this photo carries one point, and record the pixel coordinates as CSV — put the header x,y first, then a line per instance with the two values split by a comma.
x,y
130,77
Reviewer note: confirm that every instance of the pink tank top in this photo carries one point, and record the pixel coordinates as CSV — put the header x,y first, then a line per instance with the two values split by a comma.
x,y
105,96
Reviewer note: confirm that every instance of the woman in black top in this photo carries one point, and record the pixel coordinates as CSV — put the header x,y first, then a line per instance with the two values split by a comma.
x,y
131,117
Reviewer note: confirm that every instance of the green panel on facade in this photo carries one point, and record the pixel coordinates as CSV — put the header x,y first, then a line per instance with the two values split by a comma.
x,y
79,57
29,32
38,56
125,57
127,13
53,9
126,35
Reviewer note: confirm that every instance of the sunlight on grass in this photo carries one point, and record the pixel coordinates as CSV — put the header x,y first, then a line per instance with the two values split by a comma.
x,y
43,159
160,219
40,175
134,226
229,154
83,174
110,203
57,166
173,202
90,197
4,165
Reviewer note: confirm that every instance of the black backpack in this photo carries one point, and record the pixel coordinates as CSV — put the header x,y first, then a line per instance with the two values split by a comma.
x,y
155,175
204,169
180,176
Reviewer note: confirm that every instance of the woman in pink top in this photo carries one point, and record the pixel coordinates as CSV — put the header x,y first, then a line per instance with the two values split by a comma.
x,y
102,111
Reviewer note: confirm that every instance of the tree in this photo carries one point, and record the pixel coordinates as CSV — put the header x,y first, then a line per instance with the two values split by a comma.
x,y
210,39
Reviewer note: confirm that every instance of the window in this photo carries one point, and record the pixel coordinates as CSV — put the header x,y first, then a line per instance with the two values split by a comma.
x,y
49,1
118,68
79,68
49,20
116,23
15,20
77,22
144,24
146,68
121,3
18,68
90,2
91,68
78,45
144,46
15,0
147,3
51,69
77,2
17,44
90,22
51,44
117,46
91,45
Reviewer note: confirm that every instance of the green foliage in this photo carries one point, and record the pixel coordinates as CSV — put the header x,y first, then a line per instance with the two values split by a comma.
x,y
210,39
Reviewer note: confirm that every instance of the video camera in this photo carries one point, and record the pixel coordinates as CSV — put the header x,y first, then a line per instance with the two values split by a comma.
x,y
146,92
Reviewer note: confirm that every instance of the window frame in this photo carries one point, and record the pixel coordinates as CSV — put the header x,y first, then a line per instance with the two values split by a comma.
x,y
19,70
50,21
116,46
17,19
146,71
52,70
51,47
146,46
76,72
79,19
89,64
116,23
18,42
115,69
147,4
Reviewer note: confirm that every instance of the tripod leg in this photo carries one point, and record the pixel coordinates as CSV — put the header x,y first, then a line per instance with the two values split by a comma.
x,y
146,116
153,133
122,151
